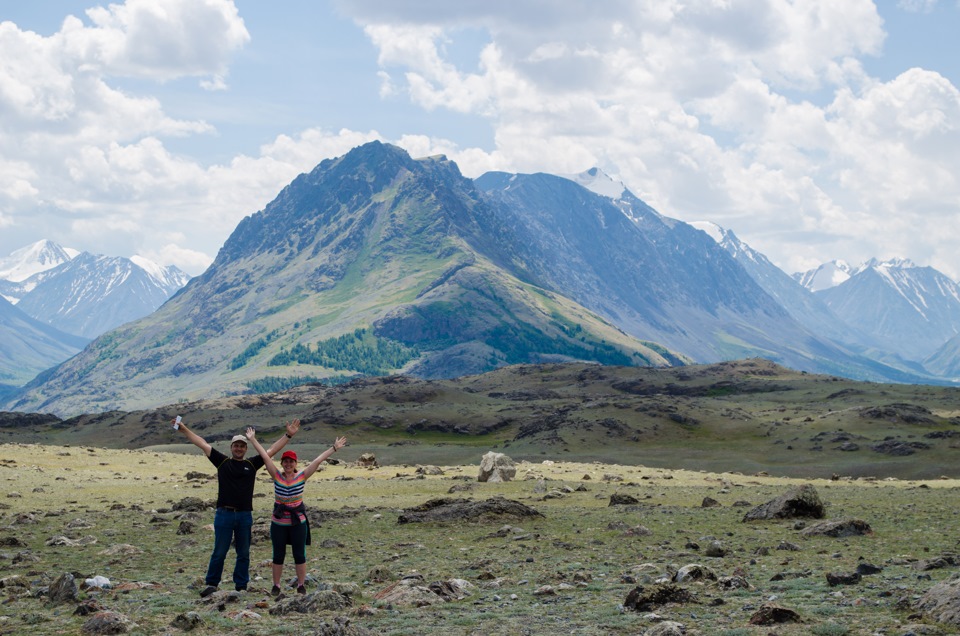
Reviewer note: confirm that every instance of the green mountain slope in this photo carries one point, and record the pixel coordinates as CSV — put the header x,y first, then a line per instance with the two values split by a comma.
x,y
373,241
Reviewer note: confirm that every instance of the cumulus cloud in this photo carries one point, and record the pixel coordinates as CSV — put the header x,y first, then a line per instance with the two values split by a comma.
x,y
756,114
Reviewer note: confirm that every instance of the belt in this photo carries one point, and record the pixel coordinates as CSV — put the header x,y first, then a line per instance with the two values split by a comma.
x,y
231,508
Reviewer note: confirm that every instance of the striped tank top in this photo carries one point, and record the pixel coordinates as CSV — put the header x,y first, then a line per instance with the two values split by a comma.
x,y
288,493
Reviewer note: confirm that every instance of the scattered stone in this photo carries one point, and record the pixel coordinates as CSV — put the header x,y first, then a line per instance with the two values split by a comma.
x,y
770,614
192,504
107,622
621,499
445,510
12,542
840,528
789,547
694,572
341,627
379,574
799,502
709,502
187,621
496,467
834,579
121,549
63,589
942,602
666,628
320,601
733,583
641,599
368,460
429,470
186,527
865,569
412,591
715,549
88,607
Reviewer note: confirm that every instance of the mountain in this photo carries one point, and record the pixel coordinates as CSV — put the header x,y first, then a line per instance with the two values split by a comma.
x,y
372,263
825,276
28,346
91,294
912,311
666,280
25,263
945,361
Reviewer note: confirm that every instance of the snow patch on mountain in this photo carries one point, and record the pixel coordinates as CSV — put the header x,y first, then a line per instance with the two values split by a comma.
x,y
598,182
37,257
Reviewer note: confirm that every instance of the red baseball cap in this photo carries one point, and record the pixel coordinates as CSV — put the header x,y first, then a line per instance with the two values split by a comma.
x,y
288,455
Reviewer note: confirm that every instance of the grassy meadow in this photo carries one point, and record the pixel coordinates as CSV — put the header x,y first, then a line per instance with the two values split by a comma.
x,y
567,572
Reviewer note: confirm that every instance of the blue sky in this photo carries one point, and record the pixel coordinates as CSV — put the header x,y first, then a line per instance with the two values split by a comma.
x,y
814,129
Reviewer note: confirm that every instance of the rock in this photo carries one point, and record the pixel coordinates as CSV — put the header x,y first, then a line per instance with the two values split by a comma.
x,y
368,460
715,549
63,589
186,527
942,602
840,528
834,579
412,591
496,467
193,504
694,572
709,502
620,499
107,622
865,569
733,583
429,470
97,581
446,510
770,614
642,599
187,621
666,628
320,601
340,627
800,502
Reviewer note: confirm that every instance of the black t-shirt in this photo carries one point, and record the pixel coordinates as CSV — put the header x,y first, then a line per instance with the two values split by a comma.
x,y
235,479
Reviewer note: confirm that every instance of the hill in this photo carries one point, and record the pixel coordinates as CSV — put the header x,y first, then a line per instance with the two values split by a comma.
x,y
748,416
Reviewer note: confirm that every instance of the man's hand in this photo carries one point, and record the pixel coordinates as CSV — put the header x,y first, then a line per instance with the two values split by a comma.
x,y
339,443
293,427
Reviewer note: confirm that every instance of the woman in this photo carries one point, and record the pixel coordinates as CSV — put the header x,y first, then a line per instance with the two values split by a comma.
x,y
289,522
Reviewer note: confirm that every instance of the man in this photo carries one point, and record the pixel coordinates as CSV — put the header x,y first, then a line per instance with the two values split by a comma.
x,y
234,517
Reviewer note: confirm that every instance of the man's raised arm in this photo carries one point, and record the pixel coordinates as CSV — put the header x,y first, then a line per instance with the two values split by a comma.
x,y
292,429
198,441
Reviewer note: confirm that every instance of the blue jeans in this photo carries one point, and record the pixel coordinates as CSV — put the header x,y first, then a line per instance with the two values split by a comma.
x,y
231,526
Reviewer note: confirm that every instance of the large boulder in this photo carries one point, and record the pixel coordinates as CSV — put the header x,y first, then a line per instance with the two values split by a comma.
x,y
457,510
496,467
942,602
799,502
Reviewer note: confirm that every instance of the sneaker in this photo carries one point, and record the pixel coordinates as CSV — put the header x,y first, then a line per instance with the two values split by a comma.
x,y
275,590
241,588
207,591
301,589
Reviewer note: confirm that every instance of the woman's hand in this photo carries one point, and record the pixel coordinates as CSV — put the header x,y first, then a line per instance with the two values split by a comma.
x,y
293,427
339,443
251,433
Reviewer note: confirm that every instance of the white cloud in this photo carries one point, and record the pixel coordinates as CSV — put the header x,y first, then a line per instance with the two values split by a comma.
x,y
757,114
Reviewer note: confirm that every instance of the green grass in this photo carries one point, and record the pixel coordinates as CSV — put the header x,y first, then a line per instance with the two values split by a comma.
x,y
575,547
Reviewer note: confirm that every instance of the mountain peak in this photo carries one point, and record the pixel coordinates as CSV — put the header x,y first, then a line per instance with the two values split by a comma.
x,y
598,182
825,276
37,257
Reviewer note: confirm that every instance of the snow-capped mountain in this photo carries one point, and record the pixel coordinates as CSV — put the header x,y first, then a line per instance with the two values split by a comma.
x,y
911,310
18,271
36,257
801,303
91,294
825,276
